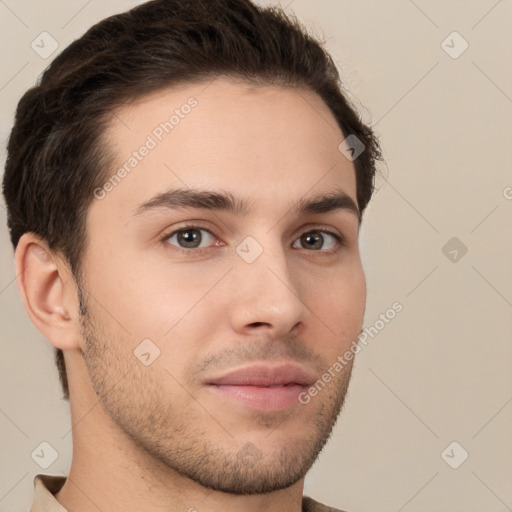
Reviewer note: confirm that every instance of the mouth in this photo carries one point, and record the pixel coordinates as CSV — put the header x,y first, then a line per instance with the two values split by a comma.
x,y
263,387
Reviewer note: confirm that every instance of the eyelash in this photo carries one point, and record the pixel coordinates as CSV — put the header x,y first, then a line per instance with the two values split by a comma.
x,y
339,239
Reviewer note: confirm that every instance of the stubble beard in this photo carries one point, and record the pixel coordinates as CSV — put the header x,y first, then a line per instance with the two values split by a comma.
x,y
177,439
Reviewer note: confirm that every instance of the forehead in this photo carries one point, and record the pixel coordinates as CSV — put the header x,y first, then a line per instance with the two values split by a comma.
x,y
268,143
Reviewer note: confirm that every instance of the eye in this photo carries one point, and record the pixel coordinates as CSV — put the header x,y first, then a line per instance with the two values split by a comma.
x,y
194,237
190,238
319,240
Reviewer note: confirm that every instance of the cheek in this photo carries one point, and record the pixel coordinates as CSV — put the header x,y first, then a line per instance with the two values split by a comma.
x,y
147,300
180,306
353,298
340,306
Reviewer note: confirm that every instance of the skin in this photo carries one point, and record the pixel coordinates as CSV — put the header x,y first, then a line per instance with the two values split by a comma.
x,y
156,437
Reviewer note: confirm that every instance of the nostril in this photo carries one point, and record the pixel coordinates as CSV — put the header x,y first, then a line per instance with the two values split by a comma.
x,y
257,324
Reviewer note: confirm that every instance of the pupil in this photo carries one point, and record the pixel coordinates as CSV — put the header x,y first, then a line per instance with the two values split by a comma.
x,y
191,237
314,241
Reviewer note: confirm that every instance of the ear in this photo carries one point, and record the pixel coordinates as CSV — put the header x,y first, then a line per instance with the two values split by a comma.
x,y
48,291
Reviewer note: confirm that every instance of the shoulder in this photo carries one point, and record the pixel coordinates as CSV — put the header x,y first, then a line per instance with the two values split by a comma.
x,y
310,505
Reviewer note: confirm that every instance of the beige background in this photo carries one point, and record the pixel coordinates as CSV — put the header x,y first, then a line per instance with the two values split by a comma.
x,y
437,373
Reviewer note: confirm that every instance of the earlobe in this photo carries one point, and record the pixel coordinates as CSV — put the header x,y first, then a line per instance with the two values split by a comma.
x,y
43,279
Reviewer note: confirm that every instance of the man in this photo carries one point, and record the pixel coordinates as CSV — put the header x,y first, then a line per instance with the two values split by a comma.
x,y
185,188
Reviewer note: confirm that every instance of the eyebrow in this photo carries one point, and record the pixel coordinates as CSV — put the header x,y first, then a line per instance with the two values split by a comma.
x,y
225,201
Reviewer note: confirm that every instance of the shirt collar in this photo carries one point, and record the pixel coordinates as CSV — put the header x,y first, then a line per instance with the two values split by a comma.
x,y
45,486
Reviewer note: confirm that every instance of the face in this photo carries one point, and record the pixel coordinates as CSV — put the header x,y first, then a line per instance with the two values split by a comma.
x,y
221,279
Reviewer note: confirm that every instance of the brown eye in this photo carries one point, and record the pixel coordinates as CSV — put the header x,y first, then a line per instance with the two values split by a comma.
x,y
190,238
318,240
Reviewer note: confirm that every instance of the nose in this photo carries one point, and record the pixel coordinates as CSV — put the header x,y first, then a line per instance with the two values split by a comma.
x,y
267,297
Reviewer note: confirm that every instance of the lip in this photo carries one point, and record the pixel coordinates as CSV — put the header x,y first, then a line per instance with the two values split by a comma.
x,y
263,387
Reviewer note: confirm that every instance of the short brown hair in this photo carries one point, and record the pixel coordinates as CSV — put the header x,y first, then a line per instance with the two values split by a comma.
x,y
55,154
